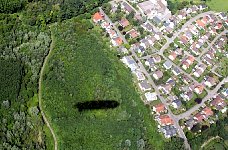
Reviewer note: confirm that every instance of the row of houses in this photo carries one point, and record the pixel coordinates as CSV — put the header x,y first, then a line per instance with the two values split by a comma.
x,y
216,103
170,24
166,124
99,18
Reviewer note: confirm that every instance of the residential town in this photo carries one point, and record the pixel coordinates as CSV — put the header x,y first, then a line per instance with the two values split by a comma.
x,y
176,60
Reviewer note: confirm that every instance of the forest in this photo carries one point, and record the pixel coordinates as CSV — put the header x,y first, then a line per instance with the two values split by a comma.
x,y
24,43
81,70
220,128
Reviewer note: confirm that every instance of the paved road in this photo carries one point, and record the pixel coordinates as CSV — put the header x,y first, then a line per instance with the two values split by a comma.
x,y
196,107
115,28
40,94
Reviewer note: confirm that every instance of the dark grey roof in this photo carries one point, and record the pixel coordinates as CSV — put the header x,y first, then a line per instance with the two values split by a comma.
x,y
175,69
127,7
178,102
156,20
145,84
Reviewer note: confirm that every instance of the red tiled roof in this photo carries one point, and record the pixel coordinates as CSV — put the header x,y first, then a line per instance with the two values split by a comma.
x,y
133,33
173,54
191,59
200,23
199,117
207,111
124,22
159,107
118,40
200,88
165,120
97,17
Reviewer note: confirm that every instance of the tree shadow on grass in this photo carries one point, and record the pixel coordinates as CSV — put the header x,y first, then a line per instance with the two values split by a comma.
x,y
98,104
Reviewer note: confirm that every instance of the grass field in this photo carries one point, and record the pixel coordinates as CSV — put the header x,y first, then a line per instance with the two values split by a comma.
x,y
218,5
80,70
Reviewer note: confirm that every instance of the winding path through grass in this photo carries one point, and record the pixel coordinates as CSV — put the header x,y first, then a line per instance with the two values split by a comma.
x,y
40,93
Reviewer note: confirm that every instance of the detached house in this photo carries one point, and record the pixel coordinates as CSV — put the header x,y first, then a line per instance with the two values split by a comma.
x,y
172,55
157,74
199,70
159,108
219,103
189,61
124,23
210,81
199,89
98,17
165,120
144,86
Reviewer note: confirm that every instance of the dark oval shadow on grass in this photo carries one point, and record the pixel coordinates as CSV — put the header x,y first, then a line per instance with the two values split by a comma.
x,y
98,104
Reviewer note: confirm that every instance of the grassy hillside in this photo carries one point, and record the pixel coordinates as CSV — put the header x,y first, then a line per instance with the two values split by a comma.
x,y
218,5
83,68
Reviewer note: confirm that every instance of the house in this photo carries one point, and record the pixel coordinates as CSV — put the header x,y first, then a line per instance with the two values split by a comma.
x,y
223,16
159,108
165,120
155,8
140,49
210,81
133,33
198,117
200,24
185,65
200,68
138,17
176,71
150,96
124,22
116,41
171,81
169,131
140,76
177,103
144,86
166,89
145,43
156,58
168,64
219,103
127,8
186,79
188,96
105,25
182,14
189,61
98,17
149,62
157,74
147,26
130,62
183,39
199,89
112,33
218,26
189,123
172,56
207,112
202,7
156,20
225,92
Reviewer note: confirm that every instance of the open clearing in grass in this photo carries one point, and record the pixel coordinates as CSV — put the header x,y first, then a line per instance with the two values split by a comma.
x,y
83,68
